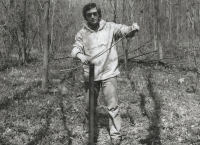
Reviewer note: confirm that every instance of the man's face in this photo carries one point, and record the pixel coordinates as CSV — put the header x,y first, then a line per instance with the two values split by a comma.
x,y
92,16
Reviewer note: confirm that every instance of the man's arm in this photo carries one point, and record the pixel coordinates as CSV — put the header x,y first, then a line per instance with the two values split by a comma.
x,y
121,30
78,46
77,51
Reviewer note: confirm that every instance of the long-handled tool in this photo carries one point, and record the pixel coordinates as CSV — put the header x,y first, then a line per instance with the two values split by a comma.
x,y
111,46
90,60
92,108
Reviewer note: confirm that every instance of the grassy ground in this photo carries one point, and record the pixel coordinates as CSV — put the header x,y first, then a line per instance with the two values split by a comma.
x,y
159,106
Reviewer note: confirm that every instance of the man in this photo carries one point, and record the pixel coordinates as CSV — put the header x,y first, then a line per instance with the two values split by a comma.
x,y
96,37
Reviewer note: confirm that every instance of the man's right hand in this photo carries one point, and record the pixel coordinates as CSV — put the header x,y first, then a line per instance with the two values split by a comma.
x,y
83,58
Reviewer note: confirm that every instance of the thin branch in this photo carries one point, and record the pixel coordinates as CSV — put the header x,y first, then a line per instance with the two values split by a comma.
x,y
143,54
112,6
62,58
137,48
72,68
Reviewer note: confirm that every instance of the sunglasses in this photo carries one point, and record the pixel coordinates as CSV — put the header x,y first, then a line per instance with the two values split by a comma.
x,y
90,14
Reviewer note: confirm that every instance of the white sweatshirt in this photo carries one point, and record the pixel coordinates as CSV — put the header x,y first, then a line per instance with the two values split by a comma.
x,y
91,43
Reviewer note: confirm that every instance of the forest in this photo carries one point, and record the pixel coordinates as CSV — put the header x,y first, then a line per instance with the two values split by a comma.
x,y
41,85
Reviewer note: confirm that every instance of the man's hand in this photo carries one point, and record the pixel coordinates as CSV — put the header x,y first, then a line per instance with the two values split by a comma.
x,y
83,58
135,27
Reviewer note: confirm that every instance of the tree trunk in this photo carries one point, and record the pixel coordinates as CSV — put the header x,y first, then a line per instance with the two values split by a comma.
x,y
46,46
24,47
115,11
114,7
123,41
157,40
160,47
52,30
170,21
155,26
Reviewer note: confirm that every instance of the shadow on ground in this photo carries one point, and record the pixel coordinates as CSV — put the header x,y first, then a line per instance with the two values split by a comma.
x,y
153,137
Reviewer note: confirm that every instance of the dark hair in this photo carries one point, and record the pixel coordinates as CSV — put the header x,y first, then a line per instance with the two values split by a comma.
x,y
89,7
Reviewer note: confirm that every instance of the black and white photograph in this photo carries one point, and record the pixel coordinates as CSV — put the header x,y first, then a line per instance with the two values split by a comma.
x,y
99,72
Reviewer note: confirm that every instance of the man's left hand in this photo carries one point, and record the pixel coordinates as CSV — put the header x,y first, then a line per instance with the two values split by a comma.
x,y
135,27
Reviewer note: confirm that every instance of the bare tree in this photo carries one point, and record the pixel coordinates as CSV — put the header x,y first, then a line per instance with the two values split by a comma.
x,y
114,8
157,39
123,42
46,46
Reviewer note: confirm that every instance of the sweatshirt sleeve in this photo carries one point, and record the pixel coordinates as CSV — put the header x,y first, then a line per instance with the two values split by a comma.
x,y
78,45
121,30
